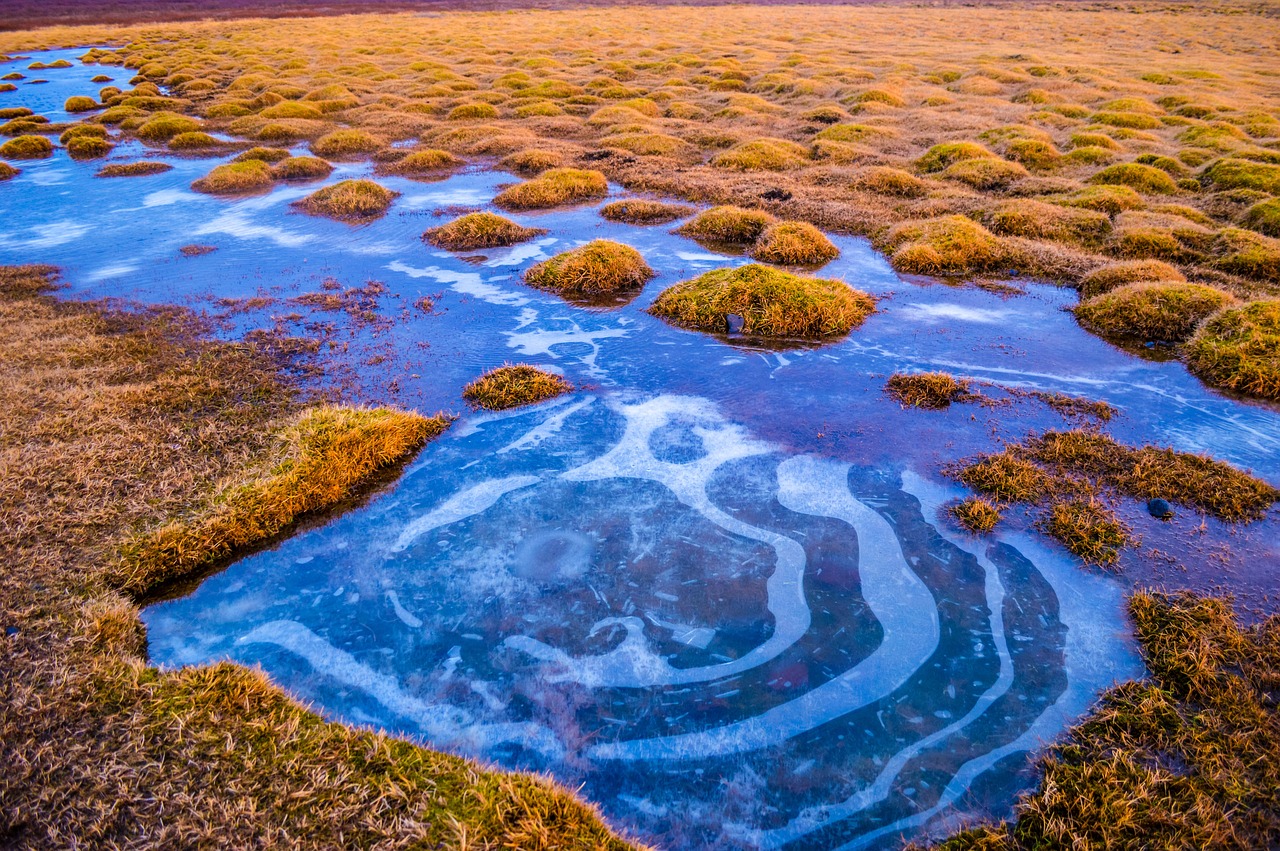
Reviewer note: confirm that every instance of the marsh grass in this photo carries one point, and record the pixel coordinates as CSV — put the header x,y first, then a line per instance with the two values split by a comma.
x,y
27,148
480,230
514,385
88,148
950,245
1089,529
301,168
7,171
1168,312
429,162
1118,274
346,144
1239,349
793,244
599,267
554,188
349,200
640,211
135,421
772,303
236,178
727,225
136,169
975,514
932,390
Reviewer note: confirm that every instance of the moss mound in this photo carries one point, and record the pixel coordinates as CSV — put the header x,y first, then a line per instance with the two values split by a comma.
x,y
163,126
192,141
883,180
1139,177
97,131
985,174
1248,254
1264,217
267,155
346,144
1111,200
471,111
639,211
1152,311
1118,274
944,155
771,302
88,148
80,103
349,200
1239,349
976,514
554,188
301,168
599,267
1244,174
1033,219
513,385
236,178
27,148
427,162
762,155
480,230
947,245
532,162
138,169
727,225
7,171
793,244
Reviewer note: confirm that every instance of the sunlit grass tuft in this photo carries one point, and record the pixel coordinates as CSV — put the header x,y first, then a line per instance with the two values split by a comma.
x,y
514,385
599,267
932,390
480,230
349,200
554,188
236,178
1239,349
793,244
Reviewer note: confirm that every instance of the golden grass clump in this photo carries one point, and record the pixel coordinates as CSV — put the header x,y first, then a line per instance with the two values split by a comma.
x,y
1123,272
985,174
976,514
80,103
7,171
346,144
194,140
931,390
1163,311
472,111
950,245
143,168
894,182
514,385
301,168
480,230
727,225
1141,178
323,454
532,162
554,188
641,211
945,154
1026,217
772,303
27,148
1244,174
793,244
349,200
88,148
163,126
426,162
97,131
1089,530
762,155
1111,200
1264,217
599,267
267,155
1248,254
1186,758
236,178
1239,349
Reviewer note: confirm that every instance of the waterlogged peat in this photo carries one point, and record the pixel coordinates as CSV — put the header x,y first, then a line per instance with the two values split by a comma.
x,y
720,584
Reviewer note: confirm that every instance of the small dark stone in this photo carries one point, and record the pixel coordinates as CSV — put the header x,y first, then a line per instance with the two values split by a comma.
x,y
11,631
776,195
1159,508
592,156
1150,344
1013,273
733,323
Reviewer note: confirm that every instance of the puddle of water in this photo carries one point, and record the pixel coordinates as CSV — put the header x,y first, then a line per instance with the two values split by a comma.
x,y
712,586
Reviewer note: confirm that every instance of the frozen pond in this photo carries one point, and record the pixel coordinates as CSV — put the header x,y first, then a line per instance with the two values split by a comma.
x,y
713,585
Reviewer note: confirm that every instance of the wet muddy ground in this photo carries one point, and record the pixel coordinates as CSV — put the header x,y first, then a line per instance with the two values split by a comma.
x,y
714,585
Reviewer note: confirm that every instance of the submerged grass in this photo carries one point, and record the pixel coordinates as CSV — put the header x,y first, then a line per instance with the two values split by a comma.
x,y
771,302
480,230
976,514
933,390
134,421
1189,758
514,385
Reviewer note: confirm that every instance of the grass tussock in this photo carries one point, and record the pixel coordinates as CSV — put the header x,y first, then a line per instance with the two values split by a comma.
x,y
762,155
266,155
1089,530
480,230
195,140
132,421
1082,462
27,148
514,385
236,179
640,211
554,188
772,303
793,244
1168,312
950,245
1146,179
321,457
1239,349
1187,758
163,126
1113,275
599,267
301,168
8,172
975,514
139,169
727,225
346,144
88,148
932,390
429,162
349,200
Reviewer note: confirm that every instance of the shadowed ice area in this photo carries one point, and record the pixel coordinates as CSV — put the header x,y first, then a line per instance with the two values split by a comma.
x,y
713,585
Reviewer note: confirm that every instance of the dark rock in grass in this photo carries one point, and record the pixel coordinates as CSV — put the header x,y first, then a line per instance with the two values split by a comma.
x,y
1159,509
733,323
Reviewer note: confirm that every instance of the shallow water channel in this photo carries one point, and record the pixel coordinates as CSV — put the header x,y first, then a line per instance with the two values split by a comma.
x,y
713,585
